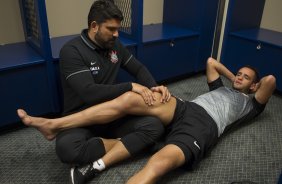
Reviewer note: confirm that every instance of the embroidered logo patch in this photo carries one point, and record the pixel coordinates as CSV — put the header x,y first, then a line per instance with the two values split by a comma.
x,y
113,56
196,144
93,63
95,70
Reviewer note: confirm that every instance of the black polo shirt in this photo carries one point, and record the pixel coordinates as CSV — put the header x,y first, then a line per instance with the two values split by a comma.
x,y
88,72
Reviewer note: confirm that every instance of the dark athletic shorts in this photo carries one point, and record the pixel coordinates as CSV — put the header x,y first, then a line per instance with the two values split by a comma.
x,y
193,131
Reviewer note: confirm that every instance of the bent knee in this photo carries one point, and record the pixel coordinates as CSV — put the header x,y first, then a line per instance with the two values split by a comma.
x,y
153,128
128,100
66,152
132,99
69,148
78,146
157,127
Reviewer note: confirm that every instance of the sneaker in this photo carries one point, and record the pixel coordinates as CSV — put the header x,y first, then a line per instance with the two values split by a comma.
x,y
80,175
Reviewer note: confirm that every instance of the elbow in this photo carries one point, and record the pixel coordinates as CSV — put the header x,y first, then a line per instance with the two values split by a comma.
x,y
210,62
271,81
268,82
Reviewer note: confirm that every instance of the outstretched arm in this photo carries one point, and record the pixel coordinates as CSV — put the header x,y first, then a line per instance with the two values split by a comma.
x,y
265,88
215,69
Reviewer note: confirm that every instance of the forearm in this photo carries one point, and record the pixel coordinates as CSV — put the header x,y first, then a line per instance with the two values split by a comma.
x,y
99,93
222,70
92,93
215,69
141,73
145,78
265,88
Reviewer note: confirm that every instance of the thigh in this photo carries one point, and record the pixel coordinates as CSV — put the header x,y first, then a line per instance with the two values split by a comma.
x,y
69,135
194,132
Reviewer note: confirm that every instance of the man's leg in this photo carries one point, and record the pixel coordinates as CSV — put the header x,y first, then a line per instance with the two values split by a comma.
x,y
168,158
128,103
136,133
105,112
80,146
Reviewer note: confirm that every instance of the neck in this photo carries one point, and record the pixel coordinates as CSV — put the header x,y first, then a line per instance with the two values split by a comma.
x,y
246,92
91,36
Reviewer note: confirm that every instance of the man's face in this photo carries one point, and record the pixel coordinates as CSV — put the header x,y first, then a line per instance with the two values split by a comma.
x,y
244,80
107,33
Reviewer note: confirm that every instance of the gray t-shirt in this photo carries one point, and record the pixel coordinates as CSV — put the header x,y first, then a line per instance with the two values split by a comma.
x,y
226,105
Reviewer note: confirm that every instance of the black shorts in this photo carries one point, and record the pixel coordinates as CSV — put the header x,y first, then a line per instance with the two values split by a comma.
x,y
193,131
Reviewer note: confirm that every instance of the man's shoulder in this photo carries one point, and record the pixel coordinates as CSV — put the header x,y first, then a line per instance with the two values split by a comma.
x,y
72,47
74,42
217,83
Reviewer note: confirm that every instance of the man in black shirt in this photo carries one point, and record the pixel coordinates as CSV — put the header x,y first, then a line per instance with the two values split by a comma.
x,y
89,65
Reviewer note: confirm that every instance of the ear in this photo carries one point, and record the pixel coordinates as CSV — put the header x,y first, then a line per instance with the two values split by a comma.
x,y
254,87
94,26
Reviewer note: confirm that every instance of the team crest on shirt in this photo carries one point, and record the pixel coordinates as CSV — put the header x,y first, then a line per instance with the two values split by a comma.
x,y
113,56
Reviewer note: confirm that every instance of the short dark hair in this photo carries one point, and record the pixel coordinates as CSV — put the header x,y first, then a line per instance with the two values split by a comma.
x,y
256,79
102,10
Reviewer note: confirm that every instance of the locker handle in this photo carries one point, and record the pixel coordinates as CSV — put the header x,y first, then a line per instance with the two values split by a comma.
x,y
259,46
171,44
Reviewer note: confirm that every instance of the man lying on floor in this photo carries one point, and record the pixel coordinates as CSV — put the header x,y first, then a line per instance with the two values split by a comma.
x,y
193,127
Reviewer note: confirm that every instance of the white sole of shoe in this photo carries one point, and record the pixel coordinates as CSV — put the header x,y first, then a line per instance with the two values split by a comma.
x,y
72,177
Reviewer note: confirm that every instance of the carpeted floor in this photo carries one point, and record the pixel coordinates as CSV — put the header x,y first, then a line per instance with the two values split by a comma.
x,y
252,153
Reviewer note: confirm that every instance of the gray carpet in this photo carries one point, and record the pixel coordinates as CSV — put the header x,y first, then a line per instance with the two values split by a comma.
x,y
250,153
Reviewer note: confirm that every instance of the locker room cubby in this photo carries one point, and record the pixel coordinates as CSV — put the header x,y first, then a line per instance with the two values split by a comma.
x,y
181,43
25,78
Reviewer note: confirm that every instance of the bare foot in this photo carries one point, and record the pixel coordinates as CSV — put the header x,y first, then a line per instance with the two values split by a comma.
x,y
41,124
